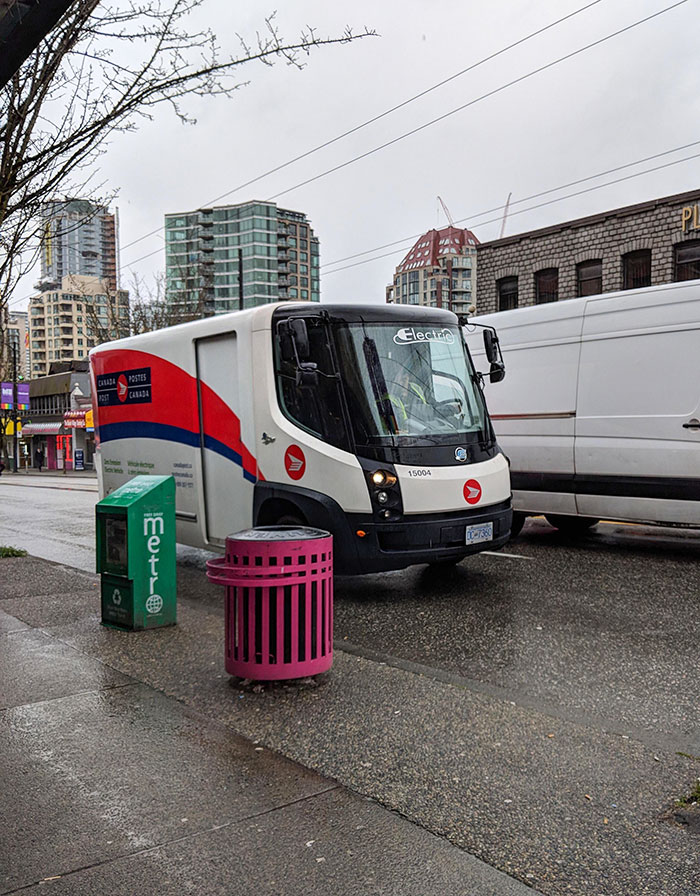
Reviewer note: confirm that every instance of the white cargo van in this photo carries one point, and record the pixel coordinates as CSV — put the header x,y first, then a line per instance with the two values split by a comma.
x,y
367,421
600,411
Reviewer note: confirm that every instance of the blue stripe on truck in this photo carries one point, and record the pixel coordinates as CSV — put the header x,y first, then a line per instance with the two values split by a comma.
x,y
142,429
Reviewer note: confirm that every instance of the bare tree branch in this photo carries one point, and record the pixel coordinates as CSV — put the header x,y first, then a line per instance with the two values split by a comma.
x,y
104,67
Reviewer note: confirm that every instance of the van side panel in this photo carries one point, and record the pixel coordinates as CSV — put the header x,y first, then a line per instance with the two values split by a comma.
x,y
639,384
533,410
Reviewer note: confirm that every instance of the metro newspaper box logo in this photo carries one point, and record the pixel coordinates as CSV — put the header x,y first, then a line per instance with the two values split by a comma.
x,y
136,554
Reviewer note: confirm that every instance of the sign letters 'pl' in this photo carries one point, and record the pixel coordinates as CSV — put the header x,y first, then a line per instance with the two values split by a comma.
x,y
472,491
294,462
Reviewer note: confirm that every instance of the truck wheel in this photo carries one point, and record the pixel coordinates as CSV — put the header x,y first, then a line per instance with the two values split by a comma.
x,y
571,525
517,524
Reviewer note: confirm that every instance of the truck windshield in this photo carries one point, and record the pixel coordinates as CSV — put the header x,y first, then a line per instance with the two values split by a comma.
x,y
409,385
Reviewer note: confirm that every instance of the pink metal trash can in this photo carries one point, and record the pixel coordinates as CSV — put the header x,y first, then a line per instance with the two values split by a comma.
x,y
279,602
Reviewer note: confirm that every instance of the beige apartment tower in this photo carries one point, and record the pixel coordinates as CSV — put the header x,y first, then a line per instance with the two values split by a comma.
x,y
66,323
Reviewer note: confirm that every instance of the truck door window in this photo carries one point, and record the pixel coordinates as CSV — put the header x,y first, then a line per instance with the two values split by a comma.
x,y
316,408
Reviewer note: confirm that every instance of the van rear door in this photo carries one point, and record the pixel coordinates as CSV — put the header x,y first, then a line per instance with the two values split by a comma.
x,y
637,454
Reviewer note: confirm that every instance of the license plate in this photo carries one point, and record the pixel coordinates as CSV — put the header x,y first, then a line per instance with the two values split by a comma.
x,y
479,532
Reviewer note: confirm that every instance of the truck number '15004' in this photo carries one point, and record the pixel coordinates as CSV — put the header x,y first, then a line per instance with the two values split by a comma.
x,y
420,472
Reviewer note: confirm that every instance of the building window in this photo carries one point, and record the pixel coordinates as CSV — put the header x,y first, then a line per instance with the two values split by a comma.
x,y
636,269
687,260
546,285
507,291
589,277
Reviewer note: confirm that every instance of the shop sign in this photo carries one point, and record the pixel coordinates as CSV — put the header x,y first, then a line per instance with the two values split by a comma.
x,y
690,218
78,459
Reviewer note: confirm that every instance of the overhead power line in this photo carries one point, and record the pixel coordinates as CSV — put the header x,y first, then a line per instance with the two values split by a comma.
x,y
530,208
490,93
500,208
473,102
381,115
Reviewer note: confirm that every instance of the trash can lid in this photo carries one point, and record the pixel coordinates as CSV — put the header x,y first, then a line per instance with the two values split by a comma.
x,y
279,533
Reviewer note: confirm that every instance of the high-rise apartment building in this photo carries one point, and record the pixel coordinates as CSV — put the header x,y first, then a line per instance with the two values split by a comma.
x,y
79,237
18,338
65,323
275,248
439,271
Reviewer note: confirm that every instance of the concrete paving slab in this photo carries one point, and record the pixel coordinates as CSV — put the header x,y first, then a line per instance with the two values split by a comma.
x,y
47,610
333,843
25,576
9,624
35,667
112,773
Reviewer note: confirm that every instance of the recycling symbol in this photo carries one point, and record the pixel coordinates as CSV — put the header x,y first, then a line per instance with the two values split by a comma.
x,y
116,597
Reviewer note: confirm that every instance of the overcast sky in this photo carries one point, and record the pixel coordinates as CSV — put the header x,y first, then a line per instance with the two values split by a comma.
x,y
633,96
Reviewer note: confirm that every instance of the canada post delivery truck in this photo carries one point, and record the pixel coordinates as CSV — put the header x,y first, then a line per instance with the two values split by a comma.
x,y
600,411
366,421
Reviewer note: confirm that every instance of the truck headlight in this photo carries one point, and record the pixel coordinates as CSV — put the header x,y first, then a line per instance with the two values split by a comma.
x,y
383,479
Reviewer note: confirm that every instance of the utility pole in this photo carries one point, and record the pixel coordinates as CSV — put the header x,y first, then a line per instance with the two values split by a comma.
x,y
14,402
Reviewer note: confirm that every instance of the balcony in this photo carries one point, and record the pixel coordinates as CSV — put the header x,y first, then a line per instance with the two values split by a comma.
x,y
462,262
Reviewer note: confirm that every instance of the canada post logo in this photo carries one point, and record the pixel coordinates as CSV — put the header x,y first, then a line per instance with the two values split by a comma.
x,y
412,335
124,387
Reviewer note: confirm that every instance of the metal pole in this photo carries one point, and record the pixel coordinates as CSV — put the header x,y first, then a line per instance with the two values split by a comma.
x,y
240,279
14,401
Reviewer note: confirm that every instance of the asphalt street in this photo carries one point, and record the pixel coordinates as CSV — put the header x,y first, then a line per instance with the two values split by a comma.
x,y
538,708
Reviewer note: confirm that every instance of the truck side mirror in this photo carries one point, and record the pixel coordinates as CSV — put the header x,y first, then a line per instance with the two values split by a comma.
x,y
300,337
491,345
497,372
285,343
307,374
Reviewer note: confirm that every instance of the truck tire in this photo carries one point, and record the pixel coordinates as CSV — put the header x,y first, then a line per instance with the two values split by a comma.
x,y
517,524
571,525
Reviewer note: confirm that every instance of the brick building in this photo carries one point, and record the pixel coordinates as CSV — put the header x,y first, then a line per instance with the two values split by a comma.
x,y
639,245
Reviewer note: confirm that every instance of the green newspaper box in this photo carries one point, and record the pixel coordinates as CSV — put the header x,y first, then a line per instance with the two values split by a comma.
x,y
136,554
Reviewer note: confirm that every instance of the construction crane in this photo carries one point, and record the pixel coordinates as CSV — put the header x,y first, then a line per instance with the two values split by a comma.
x,y
505,215
447,212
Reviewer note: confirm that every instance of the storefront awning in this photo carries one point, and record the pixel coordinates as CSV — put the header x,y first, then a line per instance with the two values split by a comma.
x,y
41,429
80,419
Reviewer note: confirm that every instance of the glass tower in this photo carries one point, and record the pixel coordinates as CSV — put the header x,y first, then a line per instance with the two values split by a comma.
x,y
205,249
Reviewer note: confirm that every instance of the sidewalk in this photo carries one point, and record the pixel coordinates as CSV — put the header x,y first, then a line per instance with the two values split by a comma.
x,y
113,786
31,471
